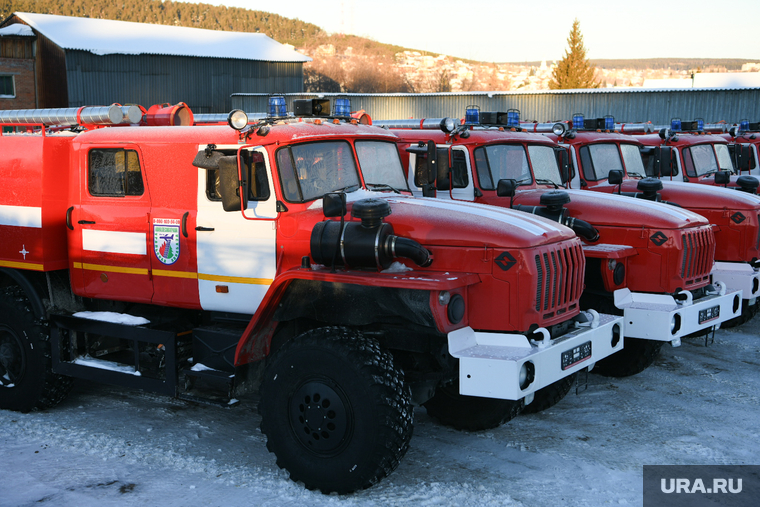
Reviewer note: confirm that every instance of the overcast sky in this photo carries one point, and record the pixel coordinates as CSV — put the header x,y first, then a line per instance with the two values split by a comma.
x,y
517,31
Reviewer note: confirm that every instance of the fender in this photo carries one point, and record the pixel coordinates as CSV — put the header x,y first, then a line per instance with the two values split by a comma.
x,y
255,342
31,289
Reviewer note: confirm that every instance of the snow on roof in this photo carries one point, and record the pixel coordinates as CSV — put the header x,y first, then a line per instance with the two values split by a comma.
x,y
18,29
105,37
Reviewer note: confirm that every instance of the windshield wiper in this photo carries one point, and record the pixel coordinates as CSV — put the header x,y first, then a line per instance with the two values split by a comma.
x,y
384,186
523,181
355,186
546,182
635,174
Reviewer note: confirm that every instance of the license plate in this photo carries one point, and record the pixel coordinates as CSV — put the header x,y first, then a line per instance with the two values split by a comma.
x,y
709,314
576,355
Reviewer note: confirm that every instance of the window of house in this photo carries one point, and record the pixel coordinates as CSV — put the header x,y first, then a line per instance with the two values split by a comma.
x,y
7,88
114,172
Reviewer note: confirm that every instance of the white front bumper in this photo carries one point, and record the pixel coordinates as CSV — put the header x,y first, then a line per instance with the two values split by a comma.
x,y
662,318
490,363
738,276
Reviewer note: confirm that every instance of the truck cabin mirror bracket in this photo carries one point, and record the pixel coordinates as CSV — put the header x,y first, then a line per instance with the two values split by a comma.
x,y
507,188
615,177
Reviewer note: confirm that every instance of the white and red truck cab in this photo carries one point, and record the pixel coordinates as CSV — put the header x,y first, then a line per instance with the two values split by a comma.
x,y
744,145
246,256
607,161
645,261
697,153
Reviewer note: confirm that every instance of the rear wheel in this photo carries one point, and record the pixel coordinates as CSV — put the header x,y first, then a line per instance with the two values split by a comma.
x,y
470,413
27,381
335,410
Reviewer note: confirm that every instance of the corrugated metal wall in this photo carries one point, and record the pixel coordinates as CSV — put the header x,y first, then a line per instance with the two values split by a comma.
x,y
204,84
628,105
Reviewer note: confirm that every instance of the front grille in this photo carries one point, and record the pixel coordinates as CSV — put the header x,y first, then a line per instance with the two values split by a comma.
x,y
560,277
698,255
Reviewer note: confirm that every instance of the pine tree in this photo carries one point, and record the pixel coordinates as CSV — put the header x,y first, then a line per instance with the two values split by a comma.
x,y
574,70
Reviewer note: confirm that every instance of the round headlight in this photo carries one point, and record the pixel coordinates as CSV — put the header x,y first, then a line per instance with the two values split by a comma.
x,y
558,129
448,125
675,323
237,119
527,374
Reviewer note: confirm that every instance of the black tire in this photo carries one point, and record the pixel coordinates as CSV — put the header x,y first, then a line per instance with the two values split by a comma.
x,y
550,395
470,413
27,381
747,313
637,355
335,410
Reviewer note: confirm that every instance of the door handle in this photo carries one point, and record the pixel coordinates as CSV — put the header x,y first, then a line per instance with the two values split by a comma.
x,y
68,218
83,222
184,223
204,229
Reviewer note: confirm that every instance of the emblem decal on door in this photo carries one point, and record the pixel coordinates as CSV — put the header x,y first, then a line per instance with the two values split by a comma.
x,y
166,239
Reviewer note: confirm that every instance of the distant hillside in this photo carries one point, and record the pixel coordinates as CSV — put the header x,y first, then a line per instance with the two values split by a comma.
x,y
675,64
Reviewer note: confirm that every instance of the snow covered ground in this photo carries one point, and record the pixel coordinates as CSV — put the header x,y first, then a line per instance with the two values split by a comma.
x,y
107,447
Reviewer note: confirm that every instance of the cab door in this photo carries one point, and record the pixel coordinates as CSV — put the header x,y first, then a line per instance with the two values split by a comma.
x,y
236,254
109,230
454,179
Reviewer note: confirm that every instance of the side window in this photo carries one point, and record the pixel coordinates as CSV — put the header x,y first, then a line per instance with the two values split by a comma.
x,y
688,162
586,165
484,173
114,172
258,183
458,171
287,176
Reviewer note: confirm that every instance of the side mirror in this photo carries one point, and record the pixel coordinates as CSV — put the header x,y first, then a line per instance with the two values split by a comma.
x,y
563,162
663,161
742,157
334,205
722,178
426,167
615,177
233,185
506,188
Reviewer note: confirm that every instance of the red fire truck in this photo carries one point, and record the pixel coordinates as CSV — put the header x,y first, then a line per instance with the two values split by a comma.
x,y
646,261
744,135
609,162
205,262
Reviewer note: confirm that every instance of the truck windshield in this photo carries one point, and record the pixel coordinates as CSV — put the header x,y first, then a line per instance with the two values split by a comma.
x,y
544,164
599,159
700,160
501,161
309,171
380,164
724,157
634,165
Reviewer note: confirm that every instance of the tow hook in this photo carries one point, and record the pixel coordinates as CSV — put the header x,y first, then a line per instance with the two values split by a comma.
x,y
720,290
587,318
684,298
546,340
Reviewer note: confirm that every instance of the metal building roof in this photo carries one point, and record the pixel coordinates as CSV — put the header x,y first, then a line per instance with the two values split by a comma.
x,y
105,37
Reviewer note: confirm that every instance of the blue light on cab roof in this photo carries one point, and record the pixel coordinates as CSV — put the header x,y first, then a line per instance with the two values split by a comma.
x,y
700,124
472,115
343,107
744,125
609,122
578,120
675,124
277,106
513,118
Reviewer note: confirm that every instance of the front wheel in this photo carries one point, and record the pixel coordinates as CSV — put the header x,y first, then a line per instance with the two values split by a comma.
x,y
27,381
637,355
550,395
470,413
335,410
